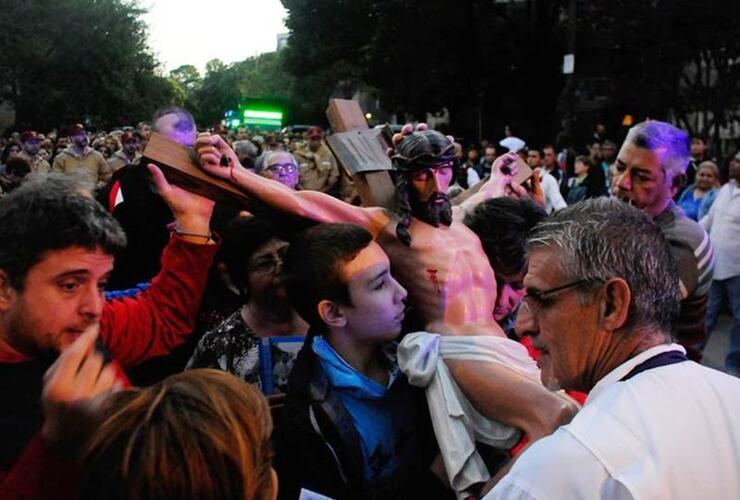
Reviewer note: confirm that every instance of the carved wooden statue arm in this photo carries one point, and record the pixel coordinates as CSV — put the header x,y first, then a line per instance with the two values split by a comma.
x,y
312,205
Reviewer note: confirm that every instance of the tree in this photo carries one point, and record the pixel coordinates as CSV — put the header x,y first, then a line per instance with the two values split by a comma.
x,y
495,63
188,77
677,60
94,66
477,58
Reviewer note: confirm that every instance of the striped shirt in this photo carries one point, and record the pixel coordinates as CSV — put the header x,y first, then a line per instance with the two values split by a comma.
x,y
692,250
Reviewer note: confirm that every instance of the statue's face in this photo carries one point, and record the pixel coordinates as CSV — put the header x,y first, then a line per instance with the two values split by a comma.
x,y
428,197
430,181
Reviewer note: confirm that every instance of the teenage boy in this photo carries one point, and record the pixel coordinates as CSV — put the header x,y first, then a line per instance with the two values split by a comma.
x,y
352,426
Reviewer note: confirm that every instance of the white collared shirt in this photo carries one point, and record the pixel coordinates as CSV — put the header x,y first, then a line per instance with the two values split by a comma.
x,y
723,225
671,432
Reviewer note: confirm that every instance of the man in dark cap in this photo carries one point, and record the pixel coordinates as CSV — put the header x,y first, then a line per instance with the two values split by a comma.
x,y
82,161
30,142
129,154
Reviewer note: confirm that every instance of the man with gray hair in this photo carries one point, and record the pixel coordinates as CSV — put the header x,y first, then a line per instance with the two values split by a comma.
x,y
601,298
651,168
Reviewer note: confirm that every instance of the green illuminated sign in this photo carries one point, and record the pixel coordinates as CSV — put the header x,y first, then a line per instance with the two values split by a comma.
x,y
265,115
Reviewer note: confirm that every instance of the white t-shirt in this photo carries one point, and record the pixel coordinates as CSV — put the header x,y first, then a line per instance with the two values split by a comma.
x,y
553,199
671,432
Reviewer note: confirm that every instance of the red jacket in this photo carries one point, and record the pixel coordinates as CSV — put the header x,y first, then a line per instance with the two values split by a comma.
x,y
133,329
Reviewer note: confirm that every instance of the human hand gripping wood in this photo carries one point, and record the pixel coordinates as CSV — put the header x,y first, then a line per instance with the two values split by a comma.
x,y
74,387
192,212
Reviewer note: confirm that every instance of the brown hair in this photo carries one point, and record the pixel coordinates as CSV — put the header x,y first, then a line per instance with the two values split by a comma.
x,y
201,434
586,160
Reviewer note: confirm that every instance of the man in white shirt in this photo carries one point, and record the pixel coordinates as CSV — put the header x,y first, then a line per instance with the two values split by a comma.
x,y
723,225
602,296
553,199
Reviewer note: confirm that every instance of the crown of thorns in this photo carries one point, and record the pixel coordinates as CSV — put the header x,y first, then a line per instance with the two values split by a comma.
x,y
421,161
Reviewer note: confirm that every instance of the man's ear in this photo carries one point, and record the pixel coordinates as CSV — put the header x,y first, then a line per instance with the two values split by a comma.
x,y
7,292
332,314
615,305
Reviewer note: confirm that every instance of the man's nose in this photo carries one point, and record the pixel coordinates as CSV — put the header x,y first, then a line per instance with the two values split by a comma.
x,y
525,323
92,303
624,183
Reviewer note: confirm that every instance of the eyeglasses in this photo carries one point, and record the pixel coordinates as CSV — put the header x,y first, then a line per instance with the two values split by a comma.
x,y
536,299
268,264
283,168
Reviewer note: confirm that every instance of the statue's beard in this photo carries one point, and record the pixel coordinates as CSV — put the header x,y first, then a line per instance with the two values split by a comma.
x,y
435,211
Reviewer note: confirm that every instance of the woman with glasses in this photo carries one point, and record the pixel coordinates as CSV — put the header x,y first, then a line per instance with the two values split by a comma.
x,y
253,251
279,166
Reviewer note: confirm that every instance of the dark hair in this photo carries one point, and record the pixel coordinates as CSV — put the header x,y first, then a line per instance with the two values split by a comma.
x,y
418,150
18,165
604,238
6,151
595,182
702,137
51,213
314,263
503,225
243,237
182,113
200,434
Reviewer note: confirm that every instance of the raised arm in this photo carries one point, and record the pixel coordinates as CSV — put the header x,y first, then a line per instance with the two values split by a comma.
x,y
312,205
500,183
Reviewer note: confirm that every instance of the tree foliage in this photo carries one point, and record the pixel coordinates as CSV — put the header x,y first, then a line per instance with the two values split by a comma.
x,y
479,59
495,63
677,59
63,61
224,85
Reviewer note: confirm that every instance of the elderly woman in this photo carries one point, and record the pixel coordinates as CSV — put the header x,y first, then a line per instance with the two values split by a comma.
x,y
697,199
253,252
279,166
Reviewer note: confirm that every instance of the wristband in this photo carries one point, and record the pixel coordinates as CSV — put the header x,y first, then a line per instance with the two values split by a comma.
x,y
178,231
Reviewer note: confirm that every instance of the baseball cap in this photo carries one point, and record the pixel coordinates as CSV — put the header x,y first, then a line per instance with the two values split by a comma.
x,y
29,135
75,129
314,132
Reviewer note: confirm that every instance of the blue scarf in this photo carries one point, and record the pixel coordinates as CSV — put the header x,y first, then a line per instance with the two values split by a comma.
x,y
377,414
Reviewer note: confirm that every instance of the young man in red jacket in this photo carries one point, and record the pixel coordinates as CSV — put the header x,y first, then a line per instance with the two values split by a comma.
x,y
56,254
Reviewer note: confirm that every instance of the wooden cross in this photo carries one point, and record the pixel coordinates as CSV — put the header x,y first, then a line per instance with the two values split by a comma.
x,y
361,151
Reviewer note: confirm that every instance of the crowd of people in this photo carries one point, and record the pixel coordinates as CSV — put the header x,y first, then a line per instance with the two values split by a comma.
x,y
496,334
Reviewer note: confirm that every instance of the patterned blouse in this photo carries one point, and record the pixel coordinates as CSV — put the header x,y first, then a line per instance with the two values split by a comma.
x,y
234,347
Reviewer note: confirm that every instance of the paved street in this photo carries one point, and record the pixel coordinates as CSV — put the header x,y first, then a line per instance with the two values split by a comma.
x,y
714,354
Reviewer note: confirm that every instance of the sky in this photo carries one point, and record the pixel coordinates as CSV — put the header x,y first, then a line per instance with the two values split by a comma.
x,y
196,31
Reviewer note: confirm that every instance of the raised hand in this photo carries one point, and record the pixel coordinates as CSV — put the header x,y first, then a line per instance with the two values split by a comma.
x,y
192,212
74,387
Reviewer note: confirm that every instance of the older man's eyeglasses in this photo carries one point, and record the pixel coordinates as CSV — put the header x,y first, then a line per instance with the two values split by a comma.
x,y
283,168
541,299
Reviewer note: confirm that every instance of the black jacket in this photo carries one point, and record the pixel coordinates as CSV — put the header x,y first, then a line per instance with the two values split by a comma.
x,y
144,217
318,448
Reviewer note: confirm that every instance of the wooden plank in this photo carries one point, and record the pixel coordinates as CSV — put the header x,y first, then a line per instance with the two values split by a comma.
x,y
179,165
360,151
375,187
345,115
